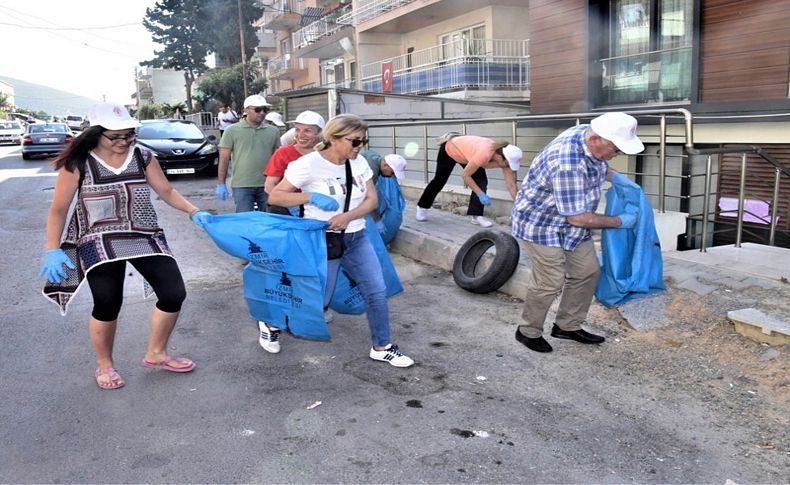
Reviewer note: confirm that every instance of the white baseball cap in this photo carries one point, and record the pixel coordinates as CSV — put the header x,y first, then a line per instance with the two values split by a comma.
x,y
620,129
288,137
255,100
398,165
513,156
111,116
275,118
310,118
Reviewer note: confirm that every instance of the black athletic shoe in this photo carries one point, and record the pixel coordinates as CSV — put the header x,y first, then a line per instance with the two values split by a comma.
x,y
538,344
580,335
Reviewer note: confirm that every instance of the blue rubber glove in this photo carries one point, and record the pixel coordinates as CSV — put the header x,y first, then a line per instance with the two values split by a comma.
x,y
53,266
627,220
221,191
201,218
620,179
294,210
324,202
484,198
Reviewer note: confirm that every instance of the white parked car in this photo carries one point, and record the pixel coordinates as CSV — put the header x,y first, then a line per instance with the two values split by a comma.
x,y
11,131
74,121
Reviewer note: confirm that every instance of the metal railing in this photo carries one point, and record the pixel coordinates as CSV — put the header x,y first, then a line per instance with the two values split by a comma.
x,y
459,63
744,151
370,10
277,65
205,120
323,27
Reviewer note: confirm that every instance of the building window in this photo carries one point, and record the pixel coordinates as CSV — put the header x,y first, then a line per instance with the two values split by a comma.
x,y
465,42
648,52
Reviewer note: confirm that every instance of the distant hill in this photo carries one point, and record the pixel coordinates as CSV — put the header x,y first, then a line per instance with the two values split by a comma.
x,y
43,98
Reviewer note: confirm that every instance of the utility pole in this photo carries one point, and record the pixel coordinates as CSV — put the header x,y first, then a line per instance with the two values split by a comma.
x,y
243,55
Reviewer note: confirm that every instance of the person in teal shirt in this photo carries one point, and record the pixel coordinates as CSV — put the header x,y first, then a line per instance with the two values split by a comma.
x,y
251,143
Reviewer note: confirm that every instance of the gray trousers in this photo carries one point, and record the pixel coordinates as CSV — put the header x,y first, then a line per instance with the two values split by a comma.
x,y
554,271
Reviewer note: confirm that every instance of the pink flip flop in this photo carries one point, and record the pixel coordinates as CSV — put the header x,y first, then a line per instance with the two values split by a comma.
x,y
116,381
166,364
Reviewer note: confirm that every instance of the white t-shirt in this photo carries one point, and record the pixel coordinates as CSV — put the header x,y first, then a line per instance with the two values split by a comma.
x,y
226,119
314,173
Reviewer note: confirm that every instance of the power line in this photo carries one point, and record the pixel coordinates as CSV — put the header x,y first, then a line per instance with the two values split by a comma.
x,y
33,27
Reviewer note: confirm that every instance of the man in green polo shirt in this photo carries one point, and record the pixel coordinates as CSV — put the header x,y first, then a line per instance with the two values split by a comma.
x,y
251,142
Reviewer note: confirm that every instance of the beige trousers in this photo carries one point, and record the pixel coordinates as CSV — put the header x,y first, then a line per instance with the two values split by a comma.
x,y
554,271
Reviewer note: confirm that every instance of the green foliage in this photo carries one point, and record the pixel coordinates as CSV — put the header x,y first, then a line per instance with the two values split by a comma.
x,y
4,104
179,26
227,86
173,110
149,111
223,28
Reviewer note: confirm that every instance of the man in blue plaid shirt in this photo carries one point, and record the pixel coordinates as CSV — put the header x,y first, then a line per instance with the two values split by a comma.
x,y
553,213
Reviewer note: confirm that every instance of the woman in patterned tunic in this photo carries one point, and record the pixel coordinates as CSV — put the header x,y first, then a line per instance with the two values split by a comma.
x,y
113,221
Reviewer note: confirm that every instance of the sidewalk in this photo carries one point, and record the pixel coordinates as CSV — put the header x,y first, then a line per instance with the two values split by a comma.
x,y
721,271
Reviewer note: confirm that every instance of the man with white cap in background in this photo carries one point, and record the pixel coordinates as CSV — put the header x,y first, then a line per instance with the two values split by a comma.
x,y
274,118
472,153
251,142
554,212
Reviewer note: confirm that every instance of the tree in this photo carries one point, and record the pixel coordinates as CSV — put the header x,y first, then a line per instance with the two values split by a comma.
x,y
223,31
4,104
174,110
179,25
149,111
226,85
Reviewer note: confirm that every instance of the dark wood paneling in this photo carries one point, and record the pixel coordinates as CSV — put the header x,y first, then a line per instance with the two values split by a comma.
x,y
557,54
745,50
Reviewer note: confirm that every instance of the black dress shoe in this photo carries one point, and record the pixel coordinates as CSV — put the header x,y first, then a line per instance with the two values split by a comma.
x,y
538,344
580,335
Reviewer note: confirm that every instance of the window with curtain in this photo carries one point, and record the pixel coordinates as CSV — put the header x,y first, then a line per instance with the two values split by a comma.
x,y
649,52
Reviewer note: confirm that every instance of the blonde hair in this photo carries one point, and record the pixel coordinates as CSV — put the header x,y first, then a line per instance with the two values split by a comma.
x,y
338,127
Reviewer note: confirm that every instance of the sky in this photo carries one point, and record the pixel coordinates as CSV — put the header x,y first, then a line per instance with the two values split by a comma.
x,y
85,47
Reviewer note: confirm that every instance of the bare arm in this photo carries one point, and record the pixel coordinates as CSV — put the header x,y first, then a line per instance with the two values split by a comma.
x,y
368,205
157,180
469,170
66,186
222,169
510,181
270,183
591,220
285,195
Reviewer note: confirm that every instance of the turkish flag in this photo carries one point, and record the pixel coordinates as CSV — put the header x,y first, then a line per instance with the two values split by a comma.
x,y
386,77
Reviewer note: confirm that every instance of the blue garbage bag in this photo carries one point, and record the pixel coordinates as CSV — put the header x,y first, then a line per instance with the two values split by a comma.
x,y
347,298
390,209
631,264
285,281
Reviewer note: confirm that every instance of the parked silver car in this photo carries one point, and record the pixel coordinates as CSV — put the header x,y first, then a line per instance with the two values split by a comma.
x,y
45,139
11,131
74,121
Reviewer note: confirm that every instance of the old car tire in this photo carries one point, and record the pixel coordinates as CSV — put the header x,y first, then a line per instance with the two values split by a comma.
x,y
501,269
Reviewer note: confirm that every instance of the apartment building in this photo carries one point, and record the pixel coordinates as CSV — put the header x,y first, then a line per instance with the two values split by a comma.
x,y
726,62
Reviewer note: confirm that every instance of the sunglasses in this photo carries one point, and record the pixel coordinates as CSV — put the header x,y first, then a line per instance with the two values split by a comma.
x,y
260,109
355,142
129,137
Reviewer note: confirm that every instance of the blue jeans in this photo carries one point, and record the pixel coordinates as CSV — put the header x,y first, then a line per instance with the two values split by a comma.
x,y
245,198
361,263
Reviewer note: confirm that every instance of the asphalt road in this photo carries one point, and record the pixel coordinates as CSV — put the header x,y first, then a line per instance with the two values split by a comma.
x,y
478,407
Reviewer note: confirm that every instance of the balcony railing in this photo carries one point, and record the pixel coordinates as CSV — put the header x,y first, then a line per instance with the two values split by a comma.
x,y
282,14
480,63
323,27
647,77
370,10
279,67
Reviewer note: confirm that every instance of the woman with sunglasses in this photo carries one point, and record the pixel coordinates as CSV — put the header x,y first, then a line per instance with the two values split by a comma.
x,y
113,221
321,176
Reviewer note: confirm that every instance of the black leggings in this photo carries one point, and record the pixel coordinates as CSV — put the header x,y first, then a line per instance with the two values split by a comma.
x,y
161,272
444,167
